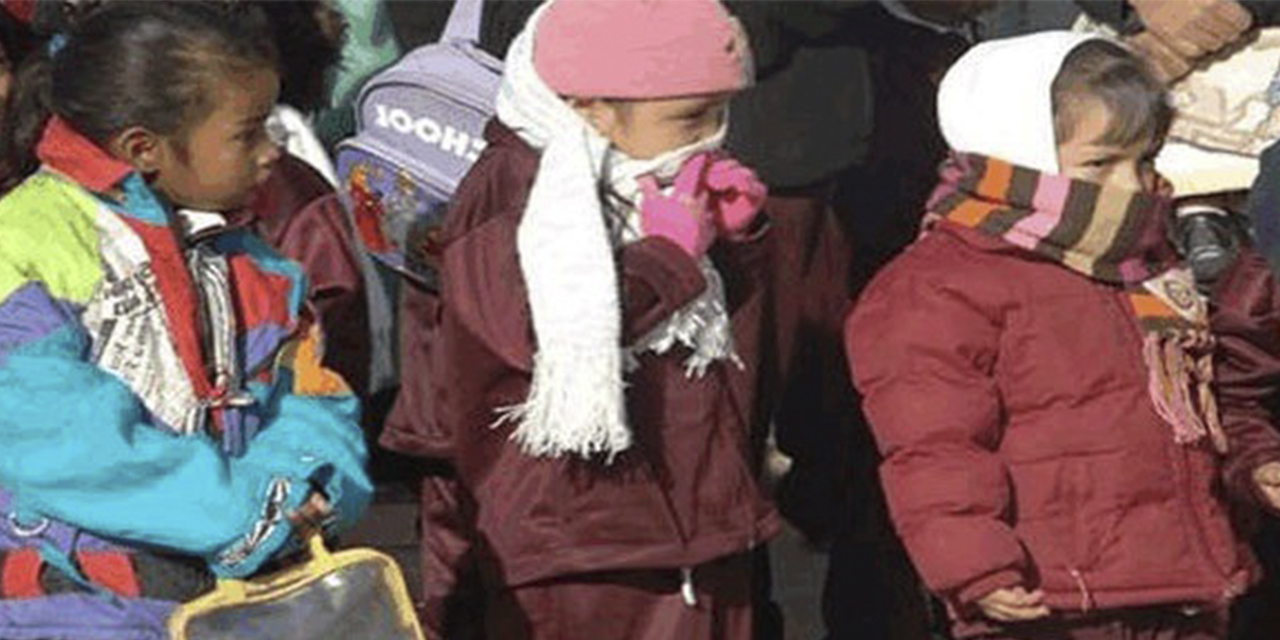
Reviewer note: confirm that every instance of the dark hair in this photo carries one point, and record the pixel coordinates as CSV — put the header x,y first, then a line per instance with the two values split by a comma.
x,y
17,39
307,53
1108,72
128,64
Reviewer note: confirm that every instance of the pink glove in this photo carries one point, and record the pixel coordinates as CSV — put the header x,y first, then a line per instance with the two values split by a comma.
x,y
736,196
683,216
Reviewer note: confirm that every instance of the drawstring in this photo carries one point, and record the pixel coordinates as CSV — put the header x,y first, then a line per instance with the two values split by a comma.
x,y
1086,598
686,588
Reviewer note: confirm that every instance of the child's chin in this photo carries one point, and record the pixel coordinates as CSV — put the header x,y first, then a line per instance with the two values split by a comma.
x,y
228,205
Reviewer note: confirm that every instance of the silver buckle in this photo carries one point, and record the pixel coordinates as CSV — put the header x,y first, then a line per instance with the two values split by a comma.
x,y
27,532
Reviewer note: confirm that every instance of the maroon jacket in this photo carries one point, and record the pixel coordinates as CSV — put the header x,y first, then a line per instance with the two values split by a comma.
x,y
1008,395
300,215
685,494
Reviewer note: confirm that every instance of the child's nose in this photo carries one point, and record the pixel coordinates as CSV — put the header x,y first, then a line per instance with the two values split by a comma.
x,y
1129,176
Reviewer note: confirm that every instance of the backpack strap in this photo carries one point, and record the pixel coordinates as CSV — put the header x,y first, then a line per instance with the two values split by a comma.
x,y
464,22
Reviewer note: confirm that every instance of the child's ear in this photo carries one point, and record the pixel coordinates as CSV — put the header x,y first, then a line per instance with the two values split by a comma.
x,y
601,115
140,147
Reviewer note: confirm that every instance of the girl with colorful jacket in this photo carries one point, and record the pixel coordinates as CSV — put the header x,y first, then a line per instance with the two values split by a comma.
x,y
1063,418
163,409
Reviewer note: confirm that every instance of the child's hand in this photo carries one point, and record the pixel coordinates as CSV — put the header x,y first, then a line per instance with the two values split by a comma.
x,y
682,217
1267,477
1013,605
736,195
1194,28
309,518
1168,65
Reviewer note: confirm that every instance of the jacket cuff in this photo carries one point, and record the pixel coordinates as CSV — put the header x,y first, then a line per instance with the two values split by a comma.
x,y
267,534
661,279
967,596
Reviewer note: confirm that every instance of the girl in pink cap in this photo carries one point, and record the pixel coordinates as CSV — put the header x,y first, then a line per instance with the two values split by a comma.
x,y
590,374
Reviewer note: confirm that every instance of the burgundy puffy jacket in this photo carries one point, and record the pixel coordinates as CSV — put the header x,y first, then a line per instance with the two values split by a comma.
x,y
1009,398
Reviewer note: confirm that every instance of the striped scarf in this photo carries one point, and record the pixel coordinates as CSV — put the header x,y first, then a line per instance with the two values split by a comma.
x,y
1111,235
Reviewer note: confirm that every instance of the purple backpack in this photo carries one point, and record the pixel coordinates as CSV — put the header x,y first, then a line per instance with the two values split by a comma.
x,y
420,126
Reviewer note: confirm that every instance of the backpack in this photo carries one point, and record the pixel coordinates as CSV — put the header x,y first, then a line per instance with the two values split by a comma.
x,y
420,127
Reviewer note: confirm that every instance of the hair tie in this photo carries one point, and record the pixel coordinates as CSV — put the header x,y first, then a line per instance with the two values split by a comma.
x,y
56,43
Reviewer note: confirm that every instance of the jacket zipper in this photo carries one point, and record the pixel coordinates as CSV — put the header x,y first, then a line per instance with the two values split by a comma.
x,y
687,592
1182,466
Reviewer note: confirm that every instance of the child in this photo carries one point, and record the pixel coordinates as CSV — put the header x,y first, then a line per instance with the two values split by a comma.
x,y
308,34
1039,369
163,409
296,210
591,377
17,42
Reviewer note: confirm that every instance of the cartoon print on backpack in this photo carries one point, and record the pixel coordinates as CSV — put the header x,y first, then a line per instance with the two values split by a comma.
x,y
412,218
366,207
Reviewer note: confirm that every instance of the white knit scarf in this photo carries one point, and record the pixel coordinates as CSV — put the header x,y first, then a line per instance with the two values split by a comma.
x,y
576,402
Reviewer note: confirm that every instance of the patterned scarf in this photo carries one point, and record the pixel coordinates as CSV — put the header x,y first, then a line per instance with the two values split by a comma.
x,y
1111,235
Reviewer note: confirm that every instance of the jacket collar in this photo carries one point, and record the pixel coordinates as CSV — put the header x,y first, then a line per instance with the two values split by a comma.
x,y
64,150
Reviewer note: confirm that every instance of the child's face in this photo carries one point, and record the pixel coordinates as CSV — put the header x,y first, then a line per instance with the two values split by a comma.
x,y
645,129
1087,155
218,162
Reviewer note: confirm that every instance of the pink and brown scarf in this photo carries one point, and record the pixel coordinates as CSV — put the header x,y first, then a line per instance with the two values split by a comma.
x,y
1112,235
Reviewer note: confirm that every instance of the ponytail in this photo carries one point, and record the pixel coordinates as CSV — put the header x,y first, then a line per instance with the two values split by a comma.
x,y
26,112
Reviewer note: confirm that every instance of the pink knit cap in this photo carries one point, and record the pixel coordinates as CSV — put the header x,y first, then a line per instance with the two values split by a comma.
x,y
640,49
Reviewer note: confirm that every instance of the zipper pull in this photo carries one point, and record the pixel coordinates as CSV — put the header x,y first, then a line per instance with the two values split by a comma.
x,y
686,588
1086,598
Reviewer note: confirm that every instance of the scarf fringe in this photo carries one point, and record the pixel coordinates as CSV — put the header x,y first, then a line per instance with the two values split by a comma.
x,y
702,326
1181,385
556,422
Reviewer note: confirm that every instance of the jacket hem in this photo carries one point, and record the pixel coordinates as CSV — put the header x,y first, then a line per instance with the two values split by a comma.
x,y
579,559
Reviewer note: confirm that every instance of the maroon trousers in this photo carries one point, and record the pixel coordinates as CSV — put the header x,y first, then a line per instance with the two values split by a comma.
x,y
629,605
1156,623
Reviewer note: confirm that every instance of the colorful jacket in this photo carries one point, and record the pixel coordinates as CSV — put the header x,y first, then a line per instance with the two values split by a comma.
x,y
117,369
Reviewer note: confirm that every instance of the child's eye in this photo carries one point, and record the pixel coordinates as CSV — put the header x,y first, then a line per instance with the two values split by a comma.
x,y
252,135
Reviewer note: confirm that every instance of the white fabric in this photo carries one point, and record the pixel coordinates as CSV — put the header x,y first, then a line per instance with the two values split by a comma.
x,y
292,131
1226,115
997,100
576,403
1194,171
195,222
